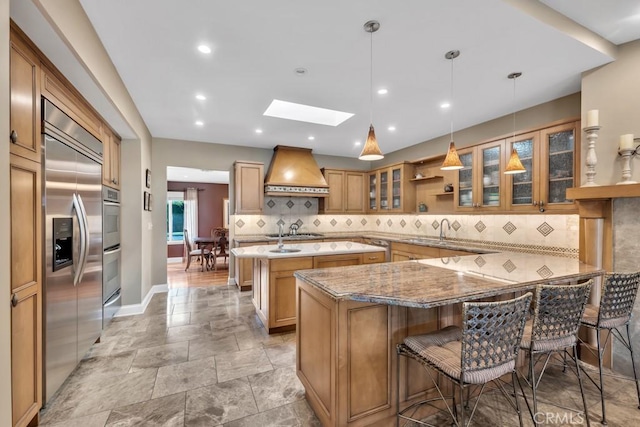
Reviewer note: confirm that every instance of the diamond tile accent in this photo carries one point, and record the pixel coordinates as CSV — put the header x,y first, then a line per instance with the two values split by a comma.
x,y
456,225
435,224
299,222
290,204
308,204
480,261
333,245
280,222
402,223
418,224
316,222
240,223
389,222
333,222
261,223
545,229
363,221
544,272
349,222
378,222
509,266
509,227
480,226
271,203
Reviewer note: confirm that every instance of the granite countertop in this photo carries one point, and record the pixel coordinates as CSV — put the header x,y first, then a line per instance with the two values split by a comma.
x,y
442,281
305,250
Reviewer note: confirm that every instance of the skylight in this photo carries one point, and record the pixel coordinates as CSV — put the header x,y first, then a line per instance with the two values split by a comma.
x,y
305,113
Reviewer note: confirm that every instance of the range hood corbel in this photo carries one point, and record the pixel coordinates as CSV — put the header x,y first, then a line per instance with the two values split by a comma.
x,y
294,172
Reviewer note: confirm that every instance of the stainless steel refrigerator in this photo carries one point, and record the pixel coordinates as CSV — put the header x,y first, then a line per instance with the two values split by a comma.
x,y
72,206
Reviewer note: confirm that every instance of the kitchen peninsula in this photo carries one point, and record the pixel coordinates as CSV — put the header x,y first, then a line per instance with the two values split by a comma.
x,y
274,287
351,319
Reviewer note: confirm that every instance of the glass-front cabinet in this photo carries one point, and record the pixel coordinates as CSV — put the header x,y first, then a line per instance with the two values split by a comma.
x,y
373,191
523,189
389,189
480,181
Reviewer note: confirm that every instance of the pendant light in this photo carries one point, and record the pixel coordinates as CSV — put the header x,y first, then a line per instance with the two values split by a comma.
x,y
371,150
452,161
515,165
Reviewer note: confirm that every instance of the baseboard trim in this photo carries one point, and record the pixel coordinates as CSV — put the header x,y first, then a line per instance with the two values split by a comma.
x,y
132,309
174,260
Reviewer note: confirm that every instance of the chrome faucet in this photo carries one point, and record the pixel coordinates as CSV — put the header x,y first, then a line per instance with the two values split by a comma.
x,y
280,230
442,228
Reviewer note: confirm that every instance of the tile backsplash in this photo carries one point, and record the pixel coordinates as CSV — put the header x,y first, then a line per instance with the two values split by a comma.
x,y
520,232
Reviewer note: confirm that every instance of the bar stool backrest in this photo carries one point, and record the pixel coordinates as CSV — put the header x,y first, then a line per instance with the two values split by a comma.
x,y
491,333
618,296
557,314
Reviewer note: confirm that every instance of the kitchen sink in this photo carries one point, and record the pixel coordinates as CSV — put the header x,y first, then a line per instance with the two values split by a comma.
x,y
428,241
294,236
284,250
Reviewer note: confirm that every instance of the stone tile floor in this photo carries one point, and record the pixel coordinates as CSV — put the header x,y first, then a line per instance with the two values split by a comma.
x,y
200,357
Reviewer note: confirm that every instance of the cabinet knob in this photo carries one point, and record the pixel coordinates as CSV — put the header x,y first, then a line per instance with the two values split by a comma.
x,y
535,203
541,203
14,300
114,181
14,136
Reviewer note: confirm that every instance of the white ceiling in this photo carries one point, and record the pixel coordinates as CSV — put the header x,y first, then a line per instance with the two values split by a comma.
x,y
258,44
179,174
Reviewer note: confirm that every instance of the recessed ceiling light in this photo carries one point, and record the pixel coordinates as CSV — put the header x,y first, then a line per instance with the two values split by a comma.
x,y
258,130
301,71
311,138
357,143
382,91
199,123
200,97
305,113
204,48
391,128
445,105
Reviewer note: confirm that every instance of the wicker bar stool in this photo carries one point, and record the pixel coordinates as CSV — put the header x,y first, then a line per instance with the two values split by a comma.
x,y
616,304
482,351
558,310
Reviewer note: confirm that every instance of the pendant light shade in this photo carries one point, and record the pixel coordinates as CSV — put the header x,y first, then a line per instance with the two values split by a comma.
x,y
452,161
371,151
515,165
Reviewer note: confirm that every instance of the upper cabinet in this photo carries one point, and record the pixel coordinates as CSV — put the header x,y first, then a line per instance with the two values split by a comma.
x,y
480,183
389,189
346,192
111,158
25,100
550,157
249,187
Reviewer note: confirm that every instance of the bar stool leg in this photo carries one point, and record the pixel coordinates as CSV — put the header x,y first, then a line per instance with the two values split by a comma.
x,y
600,353
633,365
462,405
584,401
532,378
515,396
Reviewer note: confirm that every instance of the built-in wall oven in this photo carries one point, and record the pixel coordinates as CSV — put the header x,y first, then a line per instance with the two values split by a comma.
x,y
111,257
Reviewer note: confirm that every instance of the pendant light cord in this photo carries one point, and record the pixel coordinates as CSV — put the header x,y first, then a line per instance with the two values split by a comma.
x,y
514,109
371,80
451,98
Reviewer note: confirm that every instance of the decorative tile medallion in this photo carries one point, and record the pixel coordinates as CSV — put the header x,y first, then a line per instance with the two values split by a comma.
x,y
389,222
363,221
509,227
418,224
333,222
333,245
261,223
544,272
280,222
316,222
308,204
545,229
480,261
480,226
240,223
349,222
378,222
509,266
299,222
290,204
271,203
456,225
402,223
435,224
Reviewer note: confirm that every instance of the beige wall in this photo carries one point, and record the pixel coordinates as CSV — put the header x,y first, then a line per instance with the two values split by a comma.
x,y
5,263
540,115
614,90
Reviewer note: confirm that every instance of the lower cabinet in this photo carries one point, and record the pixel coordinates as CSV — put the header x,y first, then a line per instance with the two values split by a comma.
x,y
408,252
244,268
274,285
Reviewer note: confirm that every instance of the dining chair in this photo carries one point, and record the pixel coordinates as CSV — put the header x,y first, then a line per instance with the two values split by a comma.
x,y
482,351
558,310
220,247
189,252
618,295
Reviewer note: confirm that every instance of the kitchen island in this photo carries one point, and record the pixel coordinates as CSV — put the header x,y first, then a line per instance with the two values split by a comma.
x,y
274,286
351,319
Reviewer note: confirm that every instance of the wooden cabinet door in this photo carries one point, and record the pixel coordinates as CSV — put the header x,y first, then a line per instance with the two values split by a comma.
x,y
26,289
249,187
354,194
334,203
111,159
115,161
25,101
329,261
373,186
559,166
489,180
523,189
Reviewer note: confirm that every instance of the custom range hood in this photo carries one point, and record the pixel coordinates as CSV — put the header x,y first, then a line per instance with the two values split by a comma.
x,y
294,172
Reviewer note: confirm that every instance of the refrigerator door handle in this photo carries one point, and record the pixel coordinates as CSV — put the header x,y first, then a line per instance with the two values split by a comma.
x,y
114,300
86,237
77,266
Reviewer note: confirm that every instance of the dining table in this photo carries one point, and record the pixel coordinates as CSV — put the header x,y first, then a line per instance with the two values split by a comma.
x,y
203,242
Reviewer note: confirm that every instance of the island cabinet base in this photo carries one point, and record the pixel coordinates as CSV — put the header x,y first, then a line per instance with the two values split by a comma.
x,y
346,357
